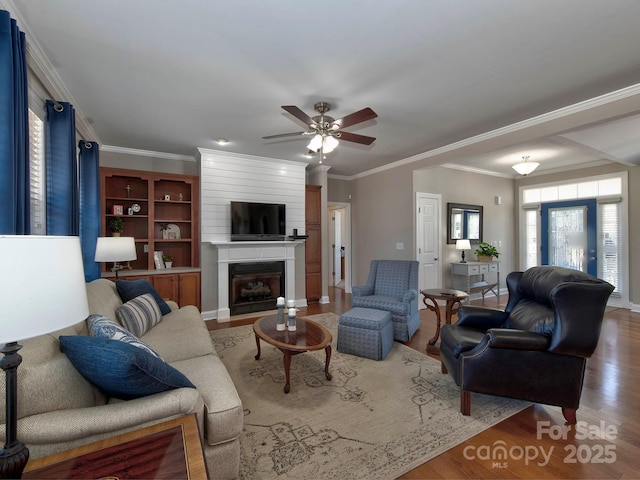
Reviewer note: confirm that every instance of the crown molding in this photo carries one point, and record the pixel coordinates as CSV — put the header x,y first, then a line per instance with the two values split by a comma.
x,y
242,156
560,113
146,153
319,169
481,171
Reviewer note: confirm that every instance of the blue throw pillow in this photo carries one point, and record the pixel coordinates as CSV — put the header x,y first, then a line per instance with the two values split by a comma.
x,y
119,369
130,289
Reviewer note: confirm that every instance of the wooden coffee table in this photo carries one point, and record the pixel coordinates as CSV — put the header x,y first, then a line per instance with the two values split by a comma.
x,y
168,450
308,336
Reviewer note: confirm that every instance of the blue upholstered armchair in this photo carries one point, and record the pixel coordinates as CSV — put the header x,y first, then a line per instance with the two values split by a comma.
x,y
392,286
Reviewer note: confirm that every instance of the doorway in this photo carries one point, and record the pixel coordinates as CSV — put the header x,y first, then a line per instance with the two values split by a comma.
x,y
428,240
571,239
339,246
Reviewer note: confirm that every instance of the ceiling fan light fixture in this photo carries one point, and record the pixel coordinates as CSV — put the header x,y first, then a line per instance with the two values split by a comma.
x,y
525,167
315,143
330,144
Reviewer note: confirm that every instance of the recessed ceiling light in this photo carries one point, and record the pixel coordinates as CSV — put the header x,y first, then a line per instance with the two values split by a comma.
x,y
222,141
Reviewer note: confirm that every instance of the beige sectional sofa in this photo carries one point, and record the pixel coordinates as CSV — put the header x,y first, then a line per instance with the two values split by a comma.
x,y
58,409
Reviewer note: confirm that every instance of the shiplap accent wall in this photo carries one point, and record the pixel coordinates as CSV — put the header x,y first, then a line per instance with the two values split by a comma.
x,y
227,176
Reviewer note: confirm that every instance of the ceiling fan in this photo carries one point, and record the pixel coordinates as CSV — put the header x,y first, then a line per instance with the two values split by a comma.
x,y
326,130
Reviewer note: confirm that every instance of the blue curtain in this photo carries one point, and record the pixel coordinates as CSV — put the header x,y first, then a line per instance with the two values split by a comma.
x,y
14,130
63,202
89,162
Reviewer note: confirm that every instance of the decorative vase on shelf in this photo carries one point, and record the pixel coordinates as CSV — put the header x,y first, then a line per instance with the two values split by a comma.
x,y
168,264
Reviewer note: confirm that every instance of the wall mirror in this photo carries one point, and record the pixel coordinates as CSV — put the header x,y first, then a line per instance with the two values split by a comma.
x,y
464,221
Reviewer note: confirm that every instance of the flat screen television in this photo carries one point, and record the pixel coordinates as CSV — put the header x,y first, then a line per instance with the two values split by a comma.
x,y
257,221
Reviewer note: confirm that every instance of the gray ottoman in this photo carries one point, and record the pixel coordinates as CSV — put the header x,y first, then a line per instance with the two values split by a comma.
x,y
365,332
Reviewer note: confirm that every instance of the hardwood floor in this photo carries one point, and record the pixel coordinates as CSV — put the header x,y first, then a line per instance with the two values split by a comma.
x,y
606,445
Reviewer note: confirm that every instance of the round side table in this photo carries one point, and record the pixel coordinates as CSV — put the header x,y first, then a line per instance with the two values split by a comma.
x,y
452,297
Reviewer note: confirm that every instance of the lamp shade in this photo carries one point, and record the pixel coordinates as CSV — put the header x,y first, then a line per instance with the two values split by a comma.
x,y
326,142
330,144
42,285
315,143
115,249
463,244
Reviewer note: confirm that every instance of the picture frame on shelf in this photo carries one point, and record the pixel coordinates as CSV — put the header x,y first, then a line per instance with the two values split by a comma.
x,y
118,210
157,260
167,197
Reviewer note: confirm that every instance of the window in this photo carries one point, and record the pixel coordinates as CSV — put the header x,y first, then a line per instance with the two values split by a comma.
x,y
36,173
609,248
610,193
531,238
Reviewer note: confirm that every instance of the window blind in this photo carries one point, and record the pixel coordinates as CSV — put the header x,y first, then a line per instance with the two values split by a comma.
x,y
609,250
36,173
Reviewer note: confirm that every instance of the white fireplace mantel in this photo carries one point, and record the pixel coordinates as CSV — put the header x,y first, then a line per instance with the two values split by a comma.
x,y
243,252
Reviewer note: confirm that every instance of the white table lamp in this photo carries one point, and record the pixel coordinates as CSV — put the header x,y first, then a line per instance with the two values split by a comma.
x,y
463,245
115,249
43,289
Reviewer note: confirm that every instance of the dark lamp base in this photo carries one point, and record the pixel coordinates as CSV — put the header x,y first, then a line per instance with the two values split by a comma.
x,y
14,455
13,460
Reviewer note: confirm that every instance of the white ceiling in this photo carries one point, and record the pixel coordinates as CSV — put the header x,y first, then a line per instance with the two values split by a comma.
x,y
466,82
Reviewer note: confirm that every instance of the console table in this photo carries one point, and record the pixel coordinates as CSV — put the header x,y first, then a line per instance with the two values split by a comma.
x,y
463,273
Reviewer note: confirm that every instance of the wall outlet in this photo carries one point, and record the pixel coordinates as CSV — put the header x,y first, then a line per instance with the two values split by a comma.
x,y
399,246
146,248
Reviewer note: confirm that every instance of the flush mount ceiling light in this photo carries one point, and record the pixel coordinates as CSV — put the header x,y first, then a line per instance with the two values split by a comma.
x,y
222,141
525,167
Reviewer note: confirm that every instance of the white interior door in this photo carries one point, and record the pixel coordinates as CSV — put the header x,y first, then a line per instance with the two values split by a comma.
x,y
428,243
340,237
337,246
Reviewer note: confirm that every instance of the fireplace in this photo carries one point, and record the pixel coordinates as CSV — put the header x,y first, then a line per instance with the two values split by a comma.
x,y
254,287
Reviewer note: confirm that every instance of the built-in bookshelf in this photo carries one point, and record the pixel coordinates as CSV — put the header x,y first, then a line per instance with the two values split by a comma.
x,y
160,211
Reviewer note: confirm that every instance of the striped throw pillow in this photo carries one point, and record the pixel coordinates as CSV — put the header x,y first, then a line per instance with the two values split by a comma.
x,y
140,314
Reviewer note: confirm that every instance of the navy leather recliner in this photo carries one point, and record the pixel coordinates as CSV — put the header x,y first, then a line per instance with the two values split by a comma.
x,y
537,348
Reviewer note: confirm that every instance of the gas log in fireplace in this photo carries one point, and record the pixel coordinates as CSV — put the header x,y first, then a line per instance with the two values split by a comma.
x,y
254,287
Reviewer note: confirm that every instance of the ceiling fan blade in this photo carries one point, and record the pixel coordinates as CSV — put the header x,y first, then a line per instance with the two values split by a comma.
x,y
299,114
354,137
280,135
356,117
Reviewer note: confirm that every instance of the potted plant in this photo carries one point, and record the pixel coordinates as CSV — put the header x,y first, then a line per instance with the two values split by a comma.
x,y
116,224
486,252
168,260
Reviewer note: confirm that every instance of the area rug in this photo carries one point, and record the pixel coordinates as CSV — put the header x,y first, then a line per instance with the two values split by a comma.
x,y
372,420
